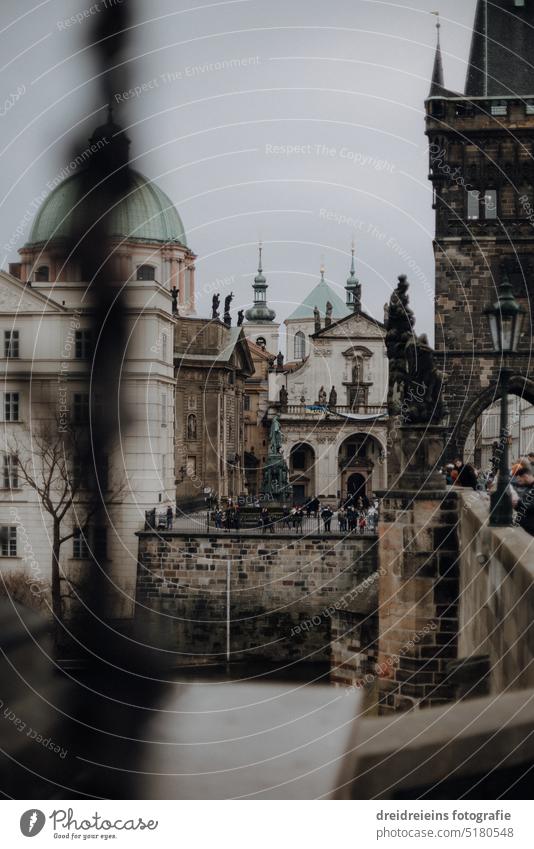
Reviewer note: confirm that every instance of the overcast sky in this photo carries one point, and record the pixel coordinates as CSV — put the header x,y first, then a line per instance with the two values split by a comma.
x,y
345,80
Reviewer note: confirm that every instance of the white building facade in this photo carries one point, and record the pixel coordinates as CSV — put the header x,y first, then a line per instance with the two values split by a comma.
x,y
47,335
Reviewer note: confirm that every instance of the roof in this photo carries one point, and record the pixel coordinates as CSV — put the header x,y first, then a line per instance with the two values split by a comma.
x,y
500,62
346,318
146,213
318,298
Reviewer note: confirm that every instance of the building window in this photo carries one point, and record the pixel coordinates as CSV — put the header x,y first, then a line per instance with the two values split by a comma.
x,y
10,476
473,205
11,344
191,427
83,344
246,402
80,546
42,274
11,406
164,410
482,205
146,272
299,345
499,107
490,204
80,407
164,347
8,540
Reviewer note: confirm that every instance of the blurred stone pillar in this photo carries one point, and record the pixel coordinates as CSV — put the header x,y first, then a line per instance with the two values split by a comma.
x,y
418,590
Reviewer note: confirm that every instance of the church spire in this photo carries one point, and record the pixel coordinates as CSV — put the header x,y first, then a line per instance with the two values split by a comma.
x,y
353,287
500,62
437,86
260,311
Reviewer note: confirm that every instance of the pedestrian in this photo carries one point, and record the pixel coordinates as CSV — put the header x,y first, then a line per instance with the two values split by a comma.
x,y
299,517
286,518
342,519
525,505
169,516
467,476
265,521
362,522
326,516
218,518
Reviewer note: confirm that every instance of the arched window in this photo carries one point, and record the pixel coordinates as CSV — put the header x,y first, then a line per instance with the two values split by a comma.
x,y
146,272
42,274
300,345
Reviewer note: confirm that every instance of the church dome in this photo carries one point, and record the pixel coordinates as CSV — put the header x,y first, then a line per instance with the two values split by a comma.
x,y
145,213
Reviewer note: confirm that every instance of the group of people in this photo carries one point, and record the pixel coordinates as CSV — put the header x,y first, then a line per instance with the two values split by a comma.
x,y
521,484
353,516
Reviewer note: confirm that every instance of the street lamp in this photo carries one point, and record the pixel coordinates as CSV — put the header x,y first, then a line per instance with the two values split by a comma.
x,y
505,321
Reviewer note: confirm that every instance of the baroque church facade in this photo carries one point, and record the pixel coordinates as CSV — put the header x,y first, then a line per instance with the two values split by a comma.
x,y
330,393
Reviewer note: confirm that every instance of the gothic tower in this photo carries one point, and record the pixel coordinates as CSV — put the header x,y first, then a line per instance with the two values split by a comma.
x,y
482,174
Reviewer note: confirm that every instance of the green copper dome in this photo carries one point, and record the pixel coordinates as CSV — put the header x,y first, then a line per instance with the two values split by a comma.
x,y
145,214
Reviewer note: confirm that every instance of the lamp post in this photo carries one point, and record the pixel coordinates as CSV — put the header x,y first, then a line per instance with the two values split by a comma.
x,y
505,320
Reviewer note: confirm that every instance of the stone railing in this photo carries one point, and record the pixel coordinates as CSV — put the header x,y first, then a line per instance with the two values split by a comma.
x,y
496,608
311,409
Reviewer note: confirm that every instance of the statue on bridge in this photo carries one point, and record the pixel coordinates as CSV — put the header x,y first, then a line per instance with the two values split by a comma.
x,y
415,382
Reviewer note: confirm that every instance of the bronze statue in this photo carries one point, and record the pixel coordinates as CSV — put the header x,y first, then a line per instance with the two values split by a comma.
x,y
328,314
283,399
275,437
215,302
174,296
279,360
240,317
332,401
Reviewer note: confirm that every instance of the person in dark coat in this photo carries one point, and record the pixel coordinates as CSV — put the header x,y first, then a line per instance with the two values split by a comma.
x,y
169,515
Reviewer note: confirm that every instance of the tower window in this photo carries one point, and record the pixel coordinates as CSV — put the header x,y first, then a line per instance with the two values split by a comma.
x,y
490,204
482,205
499,107
146,272
529,107
299,348
42,274
473,205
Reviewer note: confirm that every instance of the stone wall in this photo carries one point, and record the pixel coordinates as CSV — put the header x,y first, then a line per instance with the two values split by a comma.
x,y
418,598
284,592
496,596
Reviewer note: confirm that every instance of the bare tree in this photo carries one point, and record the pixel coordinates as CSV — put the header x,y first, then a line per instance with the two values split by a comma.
x,y
57,464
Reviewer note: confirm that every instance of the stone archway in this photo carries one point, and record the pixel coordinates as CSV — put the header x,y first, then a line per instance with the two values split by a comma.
x,y
302,472
518,385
